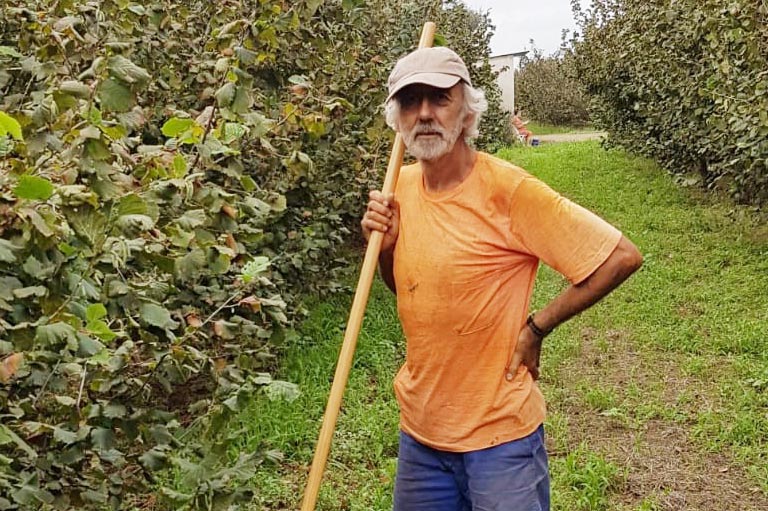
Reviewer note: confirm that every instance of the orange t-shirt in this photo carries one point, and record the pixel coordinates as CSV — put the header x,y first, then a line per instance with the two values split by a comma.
x,y
465,264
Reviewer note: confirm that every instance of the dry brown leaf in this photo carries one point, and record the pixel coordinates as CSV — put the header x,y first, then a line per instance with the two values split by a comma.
x,y
252,302
9,366
231,243
219,328
193,320
229,211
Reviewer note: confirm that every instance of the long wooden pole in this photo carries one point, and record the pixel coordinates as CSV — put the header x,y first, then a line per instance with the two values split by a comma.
x,y
355,319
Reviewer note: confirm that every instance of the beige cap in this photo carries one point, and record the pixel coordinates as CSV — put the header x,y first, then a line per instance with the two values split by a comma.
x,y
439,67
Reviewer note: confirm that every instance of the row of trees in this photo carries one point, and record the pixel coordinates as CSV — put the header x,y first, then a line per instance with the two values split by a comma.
x,y
684,83
174,177
547,89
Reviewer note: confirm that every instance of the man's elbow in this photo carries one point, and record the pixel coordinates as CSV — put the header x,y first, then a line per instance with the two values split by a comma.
x,y
629,258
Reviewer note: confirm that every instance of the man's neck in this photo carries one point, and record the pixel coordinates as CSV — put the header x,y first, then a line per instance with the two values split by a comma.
x,y
449,170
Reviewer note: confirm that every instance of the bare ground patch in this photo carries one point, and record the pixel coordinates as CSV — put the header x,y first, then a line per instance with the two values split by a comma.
x,y
662,463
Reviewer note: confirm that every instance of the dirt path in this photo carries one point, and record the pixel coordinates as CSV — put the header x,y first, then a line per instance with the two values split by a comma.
x,y
570,137
661,460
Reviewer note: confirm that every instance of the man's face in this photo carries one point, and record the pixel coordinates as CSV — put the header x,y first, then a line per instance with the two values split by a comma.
x,y
431,119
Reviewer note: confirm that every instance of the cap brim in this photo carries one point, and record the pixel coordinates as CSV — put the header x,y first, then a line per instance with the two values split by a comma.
x,y
439,80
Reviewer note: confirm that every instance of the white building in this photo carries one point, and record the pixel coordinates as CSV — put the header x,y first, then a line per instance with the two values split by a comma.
x,y
506,65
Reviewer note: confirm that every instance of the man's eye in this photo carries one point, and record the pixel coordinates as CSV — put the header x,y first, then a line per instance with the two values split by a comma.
x,y
441,98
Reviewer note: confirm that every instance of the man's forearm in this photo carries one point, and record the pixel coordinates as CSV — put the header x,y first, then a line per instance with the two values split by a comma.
x,y
623,261
386,269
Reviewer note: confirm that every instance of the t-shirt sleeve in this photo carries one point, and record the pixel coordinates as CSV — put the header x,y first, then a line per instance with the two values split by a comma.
x,y
569,238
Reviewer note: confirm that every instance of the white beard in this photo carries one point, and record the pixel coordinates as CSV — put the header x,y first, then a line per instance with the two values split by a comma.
x,y
431,148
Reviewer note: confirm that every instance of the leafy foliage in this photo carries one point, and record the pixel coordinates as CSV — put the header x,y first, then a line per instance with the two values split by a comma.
x,y
547,89
685,83
174,177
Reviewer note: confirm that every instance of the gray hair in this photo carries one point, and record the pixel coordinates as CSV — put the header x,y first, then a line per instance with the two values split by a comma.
x,y
475,104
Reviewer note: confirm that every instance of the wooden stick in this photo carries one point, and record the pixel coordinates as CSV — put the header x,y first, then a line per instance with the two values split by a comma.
x,y
355,318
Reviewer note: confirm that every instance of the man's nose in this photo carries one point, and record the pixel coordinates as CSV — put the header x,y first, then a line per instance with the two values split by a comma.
x,y
425,109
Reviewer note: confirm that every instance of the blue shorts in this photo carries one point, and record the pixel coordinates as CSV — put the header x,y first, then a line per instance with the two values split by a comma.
x,y
508,477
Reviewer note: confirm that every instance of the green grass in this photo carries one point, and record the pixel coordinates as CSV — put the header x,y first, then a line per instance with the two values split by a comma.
x,y
692,322
550,129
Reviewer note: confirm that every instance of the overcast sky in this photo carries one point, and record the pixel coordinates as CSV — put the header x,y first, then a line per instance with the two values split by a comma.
x,y
517,22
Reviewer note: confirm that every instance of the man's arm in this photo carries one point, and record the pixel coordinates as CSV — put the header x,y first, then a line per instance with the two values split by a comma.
x,y
386,269
623,262
383,215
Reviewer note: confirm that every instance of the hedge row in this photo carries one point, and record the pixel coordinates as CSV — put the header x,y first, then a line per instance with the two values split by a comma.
x,y
683,82
174,177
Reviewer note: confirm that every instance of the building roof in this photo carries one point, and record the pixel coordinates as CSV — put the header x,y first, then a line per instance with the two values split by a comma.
x,y
513,54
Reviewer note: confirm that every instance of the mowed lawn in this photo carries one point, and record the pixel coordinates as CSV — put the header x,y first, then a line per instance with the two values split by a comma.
x,y
657,396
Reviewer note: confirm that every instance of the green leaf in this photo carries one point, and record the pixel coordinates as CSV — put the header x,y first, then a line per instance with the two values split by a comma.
x,y
189,267
132,204
176,496
226,94
242,100
179,166
135,223
160,434
115,96
64,436
192,218
125,70
299,80
282,390
10,125
101,330
115,411
7,435
102,438
75,88
33,188
88,347
55,333
158,316
39,222
95,311
32,496
153,459
6,251
88,224
6,146
26,292
253,268
10,52
175,126
232,131
66,400
37,269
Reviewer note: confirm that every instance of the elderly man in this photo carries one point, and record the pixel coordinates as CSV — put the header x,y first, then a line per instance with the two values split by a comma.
x,y
463,237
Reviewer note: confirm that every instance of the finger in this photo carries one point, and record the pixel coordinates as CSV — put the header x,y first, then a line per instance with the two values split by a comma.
x,y
514,365
377,217
376,195
374,226
379,207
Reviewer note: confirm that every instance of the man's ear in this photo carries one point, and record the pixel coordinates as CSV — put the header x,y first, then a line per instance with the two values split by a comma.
x,y
469,119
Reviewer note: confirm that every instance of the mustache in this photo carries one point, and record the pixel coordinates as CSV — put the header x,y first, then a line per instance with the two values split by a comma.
x,y
427,127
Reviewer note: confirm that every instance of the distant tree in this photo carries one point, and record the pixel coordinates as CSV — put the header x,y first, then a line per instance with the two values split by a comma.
x,y
547,88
